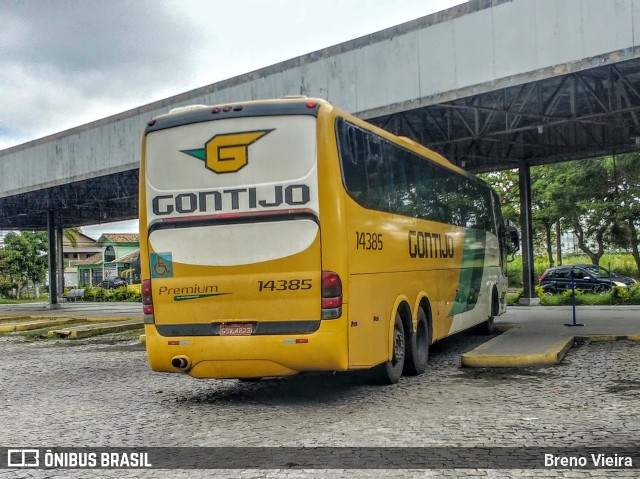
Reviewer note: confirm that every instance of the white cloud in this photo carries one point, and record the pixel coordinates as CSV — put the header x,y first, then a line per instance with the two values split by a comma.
x,y
64,63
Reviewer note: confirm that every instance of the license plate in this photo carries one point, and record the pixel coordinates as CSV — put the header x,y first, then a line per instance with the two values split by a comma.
x,y
236,329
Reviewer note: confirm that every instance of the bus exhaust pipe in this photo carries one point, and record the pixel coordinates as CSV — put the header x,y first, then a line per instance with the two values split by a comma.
x,y
182,363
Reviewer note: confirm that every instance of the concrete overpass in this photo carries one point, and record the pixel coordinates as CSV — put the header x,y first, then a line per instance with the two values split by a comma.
x,y
492,84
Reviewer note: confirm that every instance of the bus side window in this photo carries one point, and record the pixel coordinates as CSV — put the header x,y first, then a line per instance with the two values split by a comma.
x,y
377,174
400,200
353,164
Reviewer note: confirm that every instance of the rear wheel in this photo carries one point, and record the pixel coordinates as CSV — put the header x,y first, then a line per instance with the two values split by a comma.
x,y
391,371
418,347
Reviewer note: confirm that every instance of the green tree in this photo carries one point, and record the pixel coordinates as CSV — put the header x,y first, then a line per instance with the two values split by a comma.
x,y
582,192
70,234
505,183
5,278
598,198
26,258
545,211
626,174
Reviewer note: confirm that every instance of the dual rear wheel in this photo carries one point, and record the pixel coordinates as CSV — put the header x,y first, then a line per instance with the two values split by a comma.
x,y
410,351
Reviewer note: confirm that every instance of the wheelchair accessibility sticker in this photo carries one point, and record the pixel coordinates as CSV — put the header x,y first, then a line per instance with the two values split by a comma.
x,y
161,265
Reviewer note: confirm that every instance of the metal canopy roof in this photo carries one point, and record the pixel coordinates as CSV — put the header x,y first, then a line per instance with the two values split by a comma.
x,y
98,200
580,115
585,114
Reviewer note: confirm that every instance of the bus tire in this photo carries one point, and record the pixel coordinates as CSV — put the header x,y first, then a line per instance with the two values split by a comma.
x,y
418,347
488,327
390,372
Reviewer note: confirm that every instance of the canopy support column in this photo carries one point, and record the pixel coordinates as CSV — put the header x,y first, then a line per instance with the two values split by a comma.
x,y
53,278
526,225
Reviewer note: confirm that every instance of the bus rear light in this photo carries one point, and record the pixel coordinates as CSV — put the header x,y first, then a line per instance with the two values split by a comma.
x,y
147,298
331,302
331,285
226,109
311,104
328,303
215,109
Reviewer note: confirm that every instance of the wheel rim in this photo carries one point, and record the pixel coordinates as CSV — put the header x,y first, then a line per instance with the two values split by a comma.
x,y
398,345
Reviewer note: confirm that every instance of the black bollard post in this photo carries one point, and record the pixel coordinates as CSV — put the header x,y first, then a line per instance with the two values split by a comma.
x,y
573,301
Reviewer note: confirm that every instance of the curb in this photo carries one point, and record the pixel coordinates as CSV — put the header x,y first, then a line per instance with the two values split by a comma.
x,y
41,323
481,357
519,347
97,329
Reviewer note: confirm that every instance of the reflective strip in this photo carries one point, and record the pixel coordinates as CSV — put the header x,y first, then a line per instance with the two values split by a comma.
x,y
332,313
262,328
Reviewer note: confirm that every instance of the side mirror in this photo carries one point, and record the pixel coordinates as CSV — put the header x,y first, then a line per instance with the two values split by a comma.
x,y
514,236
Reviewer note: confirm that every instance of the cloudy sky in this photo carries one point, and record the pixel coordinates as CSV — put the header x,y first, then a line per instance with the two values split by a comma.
x,y
64,63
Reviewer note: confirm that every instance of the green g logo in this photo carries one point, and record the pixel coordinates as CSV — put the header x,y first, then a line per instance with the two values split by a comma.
x,y
229,152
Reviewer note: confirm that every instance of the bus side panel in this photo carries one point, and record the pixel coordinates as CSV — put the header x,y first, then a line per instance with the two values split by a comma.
x,y
479,273
391,257
368,319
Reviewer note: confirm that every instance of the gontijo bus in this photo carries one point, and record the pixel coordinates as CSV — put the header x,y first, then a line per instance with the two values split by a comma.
x,y
287,235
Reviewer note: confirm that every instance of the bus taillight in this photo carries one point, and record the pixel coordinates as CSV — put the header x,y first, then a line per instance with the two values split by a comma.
x,y
147,299
331,295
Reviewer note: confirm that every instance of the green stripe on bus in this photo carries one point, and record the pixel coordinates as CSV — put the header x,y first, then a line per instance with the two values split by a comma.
x,y
470,282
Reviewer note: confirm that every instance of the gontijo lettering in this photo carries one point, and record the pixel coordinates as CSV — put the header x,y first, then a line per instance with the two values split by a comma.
x,y
430,245
231,199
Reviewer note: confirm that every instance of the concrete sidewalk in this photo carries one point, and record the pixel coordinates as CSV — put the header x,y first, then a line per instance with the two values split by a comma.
x,y
537,335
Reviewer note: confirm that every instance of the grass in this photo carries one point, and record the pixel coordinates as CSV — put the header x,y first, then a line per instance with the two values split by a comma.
x,y
41,299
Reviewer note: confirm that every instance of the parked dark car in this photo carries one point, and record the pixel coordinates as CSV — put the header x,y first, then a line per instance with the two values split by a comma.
x,y
113,283
587,277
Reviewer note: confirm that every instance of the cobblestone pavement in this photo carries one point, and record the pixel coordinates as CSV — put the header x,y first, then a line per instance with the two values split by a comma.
x,y
96,394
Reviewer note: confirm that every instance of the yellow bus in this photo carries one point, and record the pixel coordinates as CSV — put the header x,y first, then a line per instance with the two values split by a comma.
x,y
286,235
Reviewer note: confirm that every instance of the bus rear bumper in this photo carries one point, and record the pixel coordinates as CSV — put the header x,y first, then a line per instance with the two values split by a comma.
x,y
246,368
248,356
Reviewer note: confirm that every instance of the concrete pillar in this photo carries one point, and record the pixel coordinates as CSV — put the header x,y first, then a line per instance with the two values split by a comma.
x,y
53,278
526,228
60,257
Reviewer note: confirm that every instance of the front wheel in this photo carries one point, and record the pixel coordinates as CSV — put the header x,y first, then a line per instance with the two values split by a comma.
x,y
600,289
488,327
390,372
